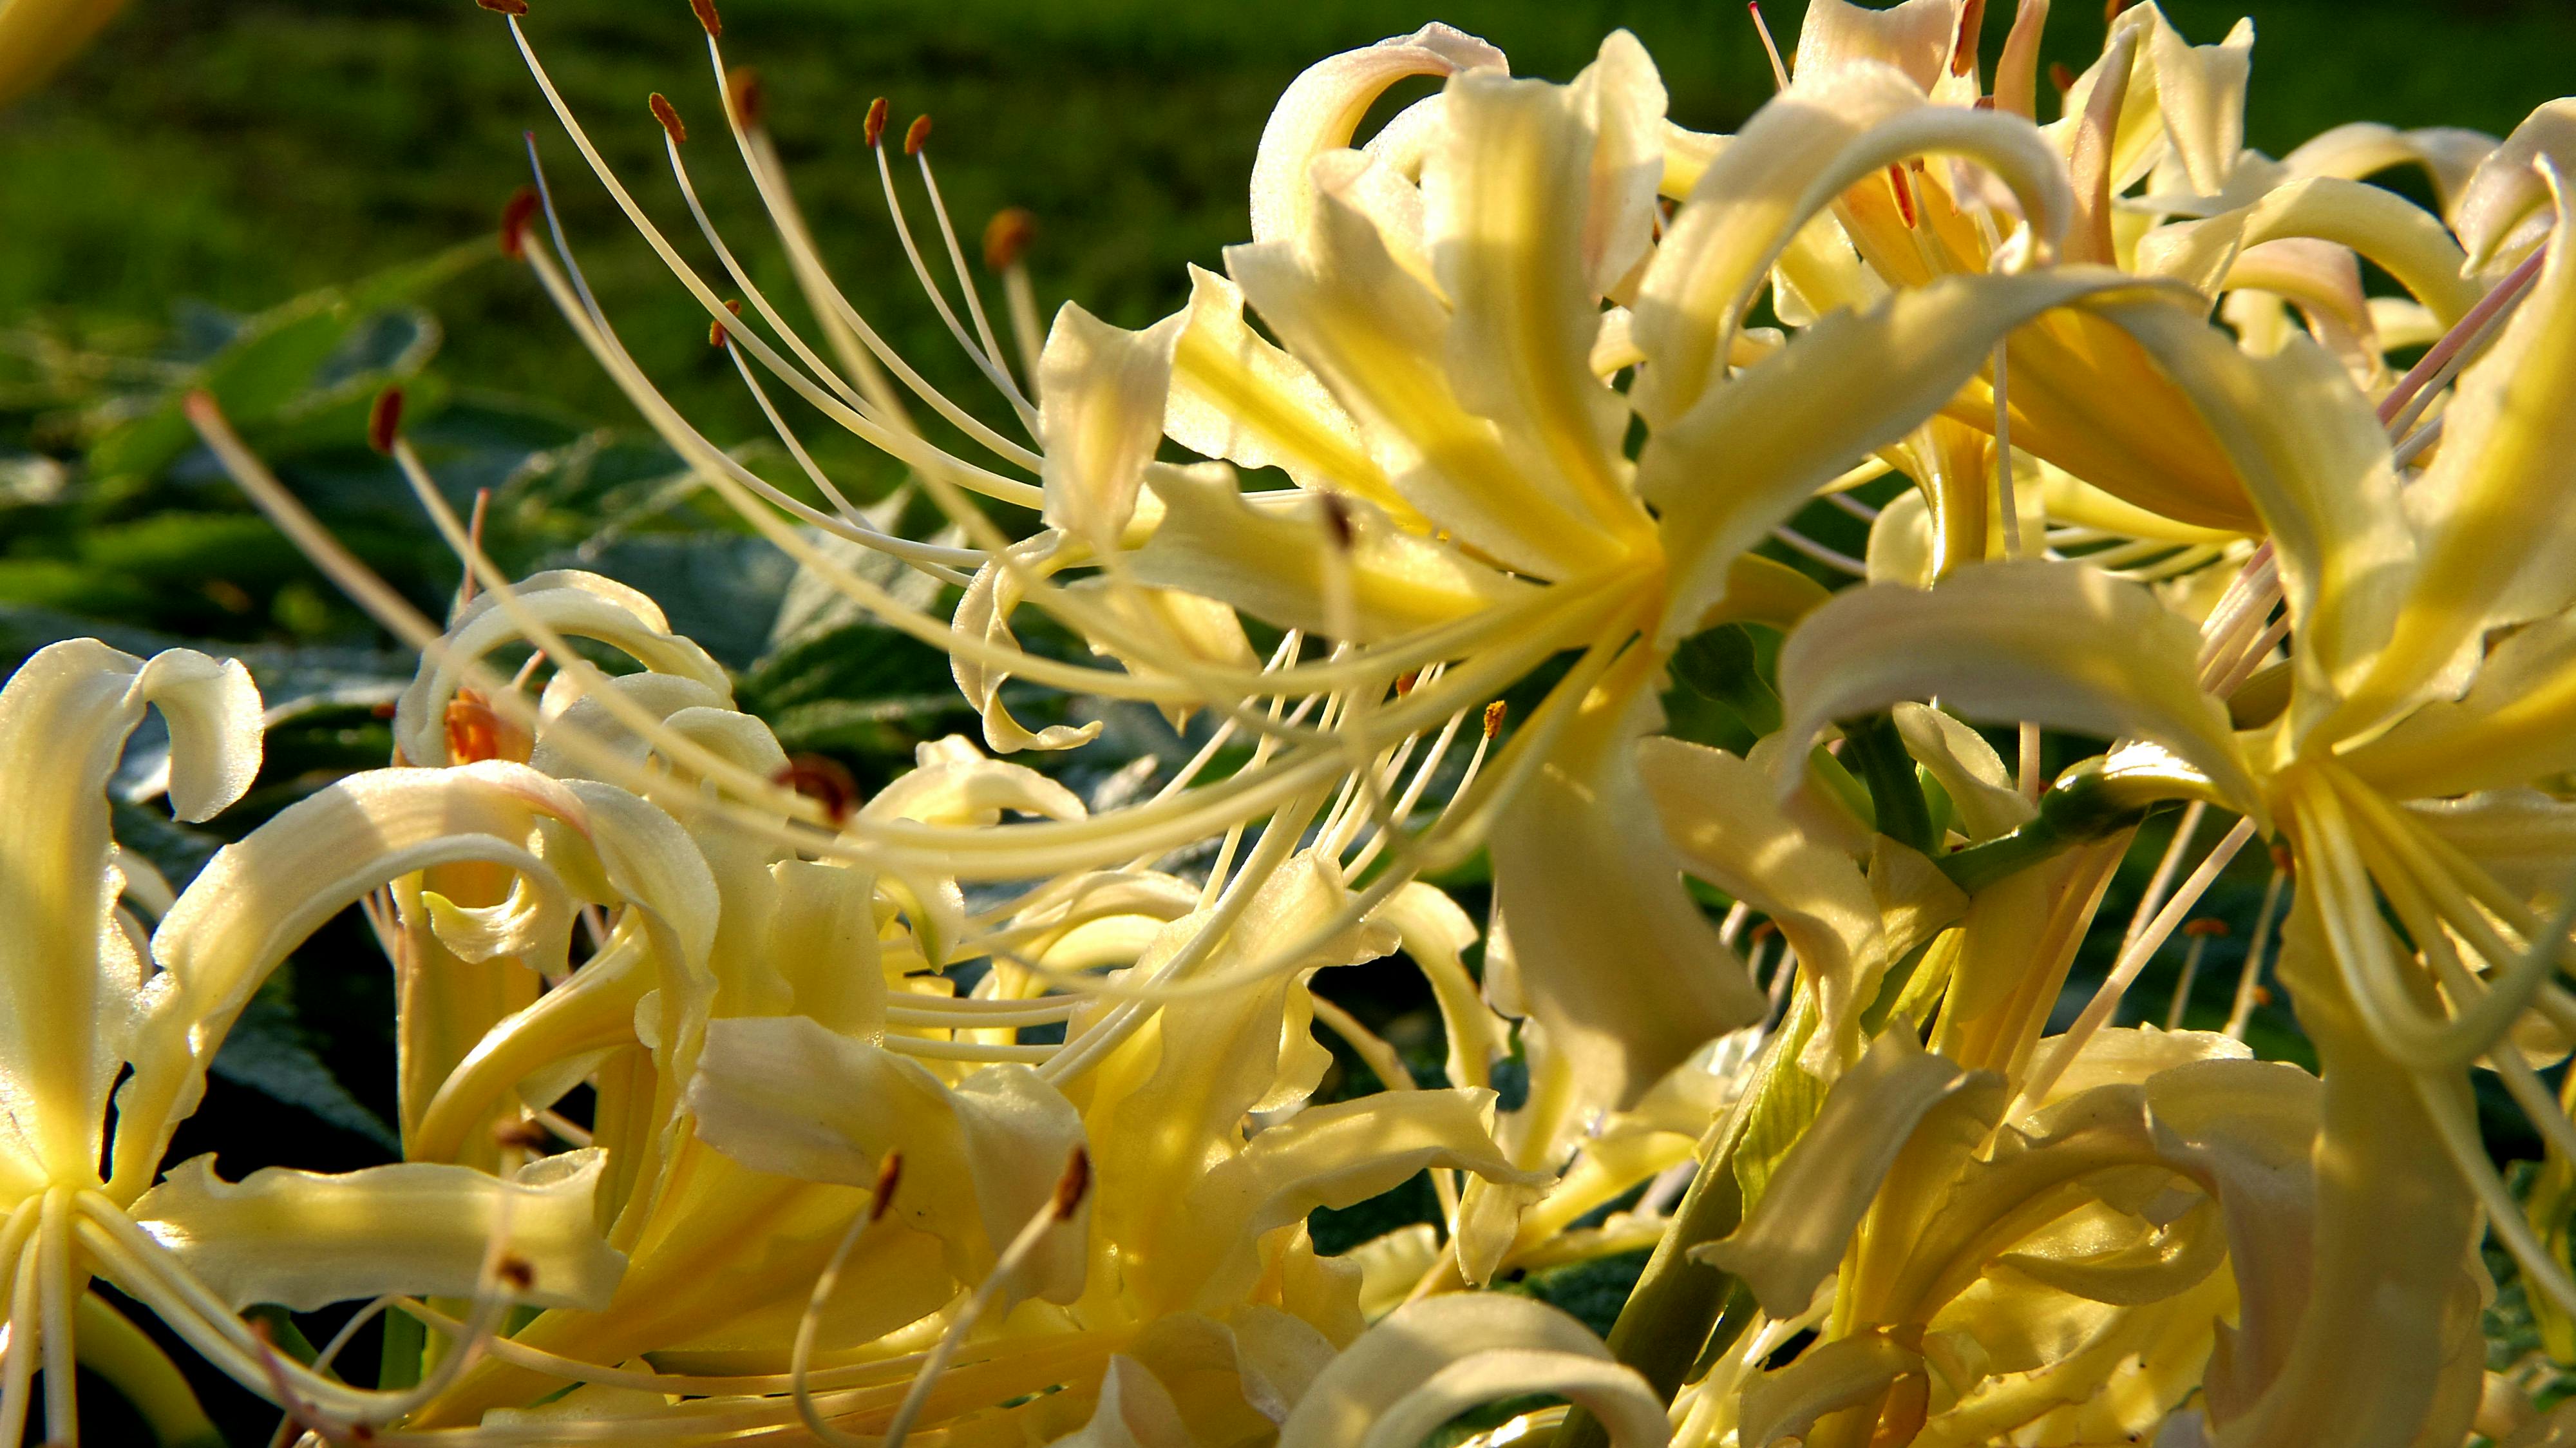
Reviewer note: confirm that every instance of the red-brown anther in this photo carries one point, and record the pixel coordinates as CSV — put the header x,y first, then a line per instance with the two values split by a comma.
x,y
1762,932
750,102
518,1272
1972,26
876,123
717,331
1494,718
708,17
384,420
1405,681
515,216
1074,1185
2262,995
504,7
2205,926
1984,103
1338,524
669,118
916,135
1007,237
2111,9
889,1176
2284,861
1904,194
2060,76
823,780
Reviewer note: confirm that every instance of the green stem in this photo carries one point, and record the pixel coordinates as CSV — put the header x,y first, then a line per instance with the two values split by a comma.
x,y
142,1374
1874,750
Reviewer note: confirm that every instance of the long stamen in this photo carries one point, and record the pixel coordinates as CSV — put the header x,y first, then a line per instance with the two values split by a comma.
x,y
1070,1191
2250,979
2406,401
800,1359
1770,47
2199,932
914,138
1006,245
2133,958
974,301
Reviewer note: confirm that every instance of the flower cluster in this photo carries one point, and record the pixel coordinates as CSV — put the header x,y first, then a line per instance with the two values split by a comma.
x,y
973,1109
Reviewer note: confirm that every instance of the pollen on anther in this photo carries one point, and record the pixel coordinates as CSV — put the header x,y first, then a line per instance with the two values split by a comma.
x,y
1405,681
824,780
515,215
1338,524
504,7
876,122
1007,237
916,135
717,332
1904,194
519,1272
384,420
1494,718
1074,1185
669,118
750,102
2060,76
2111,9
708,17
2205,925
889,1175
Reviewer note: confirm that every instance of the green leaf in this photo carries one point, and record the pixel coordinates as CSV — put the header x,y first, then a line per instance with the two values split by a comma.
x,y
268,1052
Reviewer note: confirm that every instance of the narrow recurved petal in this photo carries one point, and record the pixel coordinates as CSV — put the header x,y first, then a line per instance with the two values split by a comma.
x,y
1758,445
2201,89
2505,202
70,981
1276,557
2515,725
1508,200
1406,1369
2316,466
1378,337
2394,1229
785,1094
1237,397
1618,964
260,897
1326,1156
1722,821
1792,160
2449,155
2060,643
305,1240
1797,1231
572,603
1913,37
1101,393
2502,548
1323,106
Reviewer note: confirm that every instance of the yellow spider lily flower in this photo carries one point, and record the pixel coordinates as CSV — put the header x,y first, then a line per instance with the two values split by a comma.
x,y
84,1007
2419,681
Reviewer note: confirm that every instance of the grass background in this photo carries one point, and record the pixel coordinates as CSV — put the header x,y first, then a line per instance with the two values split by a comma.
x,y
208,160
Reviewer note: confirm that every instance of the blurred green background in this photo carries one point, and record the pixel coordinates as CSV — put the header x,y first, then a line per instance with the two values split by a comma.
x,y
294,203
